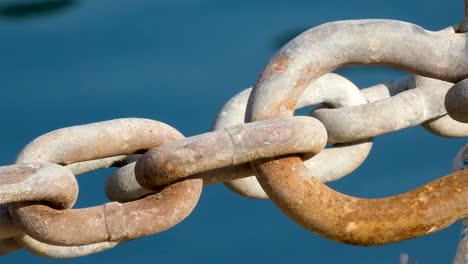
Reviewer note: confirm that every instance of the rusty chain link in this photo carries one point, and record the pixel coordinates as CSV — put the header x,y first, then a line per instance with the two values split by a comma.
x,y
258,149
461,163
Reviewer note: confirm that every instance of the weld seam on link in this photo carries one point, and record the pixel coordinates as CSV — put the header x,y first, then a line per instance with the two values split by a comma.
x,y
115,222
94,228
213,150
339,217
232,146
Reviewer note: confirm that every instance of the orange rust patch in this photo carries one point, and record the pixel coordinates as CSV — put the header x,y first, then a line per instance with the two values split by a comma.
x,y
278,64
372,221
289,103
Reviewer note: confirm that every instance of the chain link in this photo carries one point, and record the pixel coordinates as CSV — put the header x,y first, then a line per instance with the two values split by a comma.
x,y
112,222
44,182
162,173
461,163
306,200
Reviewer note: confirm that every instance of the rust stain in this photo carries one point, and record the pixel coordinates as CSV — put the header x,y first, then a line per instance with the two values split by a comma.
x,y
280,62
364,222
277,65
76,227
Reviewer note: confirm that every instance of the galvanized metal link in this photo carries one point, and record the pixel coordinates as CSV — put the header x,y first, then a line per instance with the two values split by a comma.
x,y
162,173
443,125
59,252
231,146
336,91
328,165
332,89
414,106
217,156
113,221
308,201
122,185
100,140
12,239
45,182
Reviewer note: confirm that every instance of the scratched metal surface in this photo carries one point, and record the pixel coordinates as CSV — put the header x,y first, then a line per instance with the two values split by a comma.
x,y
178,62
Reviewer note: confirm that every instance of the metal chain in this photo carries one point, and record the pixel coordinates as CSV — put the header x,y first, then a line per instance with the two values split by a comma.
x,y
273,155
461,163
302,197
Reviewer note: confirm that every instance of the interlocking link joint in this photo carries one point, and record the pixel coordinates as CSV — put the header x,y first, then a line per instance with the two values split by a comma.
x,y
231,146
111,222
328,165
162,173
308,201
336,91
45,182
415,106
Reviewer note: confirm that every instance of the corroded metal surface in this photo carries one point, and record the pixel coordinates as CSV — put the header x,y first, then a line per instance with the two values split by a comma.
x,y
231,146
98,140
461,163
44,182
438,55
414,106
286,153
366,222
112,221
308,201
336,91
332,163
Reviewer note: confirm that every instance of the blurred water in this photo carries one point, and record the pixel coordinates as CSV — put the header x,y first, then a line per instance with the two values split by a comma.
x,y
178,62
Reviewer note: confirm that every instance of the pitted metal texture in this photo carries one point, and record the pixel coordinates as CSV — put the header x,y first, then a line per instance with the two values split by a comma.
x,y
260,150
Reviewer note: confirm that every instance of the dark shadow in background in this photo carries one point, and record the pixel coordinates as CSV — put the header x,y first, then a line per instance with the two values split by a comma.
x,y
19,10
283,38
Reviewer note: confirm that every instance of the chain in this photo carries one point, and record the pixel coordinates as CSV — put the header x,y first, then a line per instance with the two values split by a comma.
x,y
258,149
461,163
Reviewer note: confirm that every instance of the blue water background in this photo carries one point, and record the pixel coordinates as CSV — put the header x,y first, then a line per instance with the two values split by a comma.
x,y
178,61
